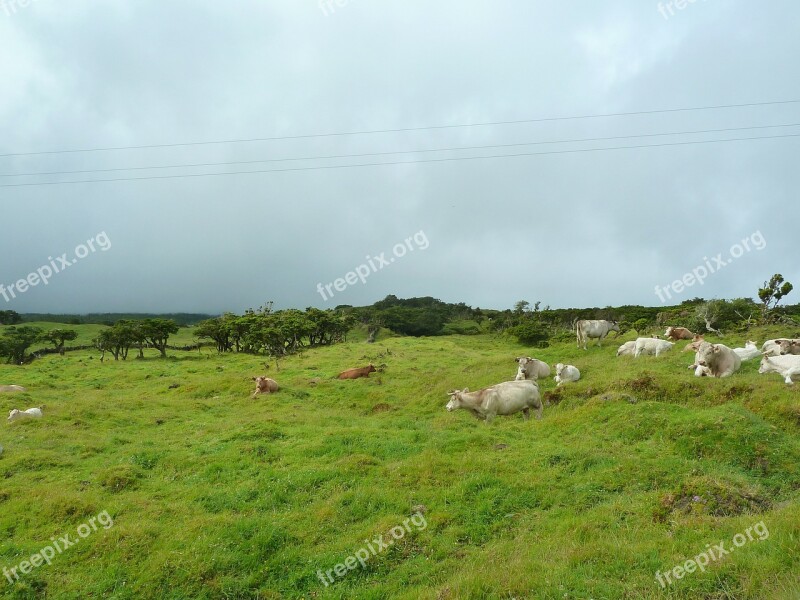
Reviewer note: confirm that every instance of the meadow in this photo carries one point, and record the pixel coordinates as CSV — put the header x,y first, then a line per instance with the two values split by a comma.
x,y
633,470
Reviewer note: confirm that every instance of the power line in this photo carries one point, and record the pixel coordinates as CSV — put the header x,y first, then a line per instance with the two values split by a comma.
x,y
362,155
402,129
407,162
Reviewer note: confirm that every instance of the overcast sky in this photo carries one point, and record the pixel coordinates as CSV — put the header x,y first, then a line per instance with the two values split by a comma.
x,y
569,229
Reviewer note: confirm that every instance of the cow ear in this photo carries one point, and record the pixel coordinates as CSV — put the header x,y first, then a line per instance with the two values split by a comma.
x,y
465,391
517,359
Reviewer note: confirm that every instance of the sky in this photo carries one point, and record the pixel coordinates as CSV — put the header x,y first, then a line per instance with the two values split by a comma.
x,y
556,223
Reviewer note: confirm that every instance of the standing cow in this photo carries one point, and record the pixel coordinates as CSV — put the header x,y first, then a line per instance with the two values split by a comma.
x,y
594,329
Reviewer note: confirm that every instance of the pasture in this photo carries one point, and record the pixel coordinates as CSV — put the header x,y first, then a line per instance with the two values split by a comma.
x,y
633,470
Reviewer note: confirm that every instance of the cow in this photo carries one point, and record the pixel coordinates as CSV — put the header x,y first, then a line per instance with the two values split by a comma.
x,y
531,368
15,415
694,344
651,346
789,346
11,389
787,366
780,346
678,333
566,374
594,329
749,352
357,372
505,398
627,349
265,385
717,359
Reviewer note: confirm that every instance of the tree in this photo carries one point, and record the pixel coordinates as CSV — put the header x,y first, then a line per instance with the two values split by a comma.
x,y
9,317
15,343
217,330
709,314
772,293
532,333
157,332
59,337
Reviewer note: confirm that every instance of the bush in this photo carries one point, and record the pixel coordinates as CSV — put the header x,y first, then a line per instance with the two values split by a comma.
x,y
531,333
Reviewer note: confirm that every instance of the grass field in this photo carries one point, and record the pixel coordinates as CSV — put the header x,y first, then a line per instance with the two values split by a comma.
x,y
635,469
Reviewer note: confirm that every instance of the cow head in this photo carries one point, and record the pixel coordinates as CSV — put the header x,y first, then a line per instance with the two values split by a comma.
x,y
668,332
371,368
766,364
13,415
521,371
560,368
614,326
456,401
707,354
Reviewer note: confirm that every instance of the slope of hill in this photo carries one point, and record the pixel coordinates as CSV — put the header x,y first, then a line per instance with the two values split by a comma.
x,y
633,470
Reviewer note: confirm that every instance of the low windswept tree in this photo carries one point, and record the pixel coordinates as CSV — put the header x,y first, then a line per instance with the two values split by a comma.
x,y
771,294
157,331
16,341
59,337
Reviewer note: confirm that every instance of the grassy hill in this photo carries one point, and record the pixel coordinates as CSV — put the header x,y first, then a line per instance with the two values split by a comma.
x,y
635,469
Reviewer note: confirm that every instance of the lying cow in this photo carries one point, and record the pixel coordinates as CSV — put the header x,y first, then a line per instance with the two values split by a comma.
x,y
502,399
12,388
531,368
566,374
716,360
781,346
651,346
694,344
787,366
265,385
358,372
678,333
627,349
594,329
749,352
31,413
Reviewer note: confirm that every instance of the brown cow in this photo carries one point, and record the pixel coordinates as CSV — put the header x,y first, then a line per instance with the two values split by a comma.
x,y
678,333
358,372
694,344
265,385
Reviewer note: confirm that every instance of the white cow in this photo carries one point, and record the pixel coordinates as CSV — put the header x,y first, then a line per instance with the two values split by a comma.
x,y
788,366
627,349
566,374
749,352
531,368
505,398
594,329
651,346
716,360
15,415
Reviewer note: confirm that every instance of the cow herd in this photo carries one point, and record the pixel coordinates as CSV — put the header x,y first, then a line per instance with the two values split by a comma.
x,y
780,356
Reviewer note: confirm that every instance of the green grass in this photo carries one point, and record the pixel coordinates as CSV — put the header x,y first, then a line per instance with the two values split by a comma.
x,y
216,495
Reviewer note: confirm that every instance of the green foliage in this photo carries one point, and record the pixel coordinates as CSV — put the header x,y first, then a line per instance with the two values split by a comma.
x,y
531,333
16,341
772,293
408,320
9,317
59,337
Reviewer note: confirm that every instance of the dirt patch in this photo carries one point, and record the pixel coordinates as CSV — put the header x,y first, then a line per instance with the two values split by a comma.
x,y
500,446
738,390
645,383
703,496
611,396
382,407
553,397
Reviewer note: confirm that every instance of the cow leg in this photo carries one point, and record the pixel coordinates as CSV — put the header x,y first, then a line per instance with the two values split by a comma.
x,y
526,413
539,411
791,374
